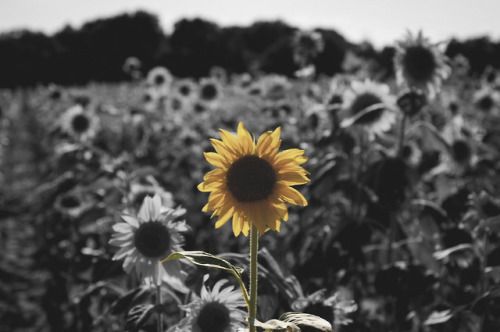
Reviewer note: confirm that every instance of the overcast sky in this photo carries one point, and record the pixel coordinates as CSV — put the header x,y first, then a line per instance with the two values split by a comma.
x,y
380,21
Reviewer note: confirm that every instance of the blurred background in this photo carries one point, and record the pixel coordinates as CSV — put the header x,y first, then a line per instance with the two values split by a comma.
x,y
395,103
76,42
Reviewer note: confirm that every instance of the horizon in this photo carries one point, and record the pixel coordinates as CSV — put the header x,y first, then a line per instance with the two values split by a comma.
x,y
378,30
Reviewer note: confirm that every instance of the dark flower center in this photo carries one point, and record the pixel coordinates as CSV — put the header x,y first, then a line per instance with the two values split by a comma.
x,y
208,92
55,95
199,108
276,92
80,123
176,104
152,239
485,103
370,117
250,179
70,201
213,317
461,151
419,63
335,99
363,101
185,90
159,79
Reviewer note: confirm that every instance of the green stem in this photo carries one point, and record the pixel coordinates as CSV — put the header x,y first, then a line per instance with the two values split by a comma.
x,y
401,139
158,303
254,247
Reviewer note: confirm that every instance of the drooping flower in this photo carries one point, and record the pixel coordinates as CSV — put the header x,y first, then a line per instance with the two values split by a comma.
x,y
420,65
148,238
215,310
307,45
370,105
252,182
132,67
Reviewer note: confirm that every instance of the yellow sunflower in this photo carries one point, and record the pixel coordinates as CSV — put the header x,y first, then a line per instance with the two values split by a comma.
x,y
252,181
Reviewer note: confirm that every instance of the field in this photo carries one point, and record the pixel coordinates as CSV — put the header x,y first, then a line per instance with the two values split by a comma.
x,y
400,231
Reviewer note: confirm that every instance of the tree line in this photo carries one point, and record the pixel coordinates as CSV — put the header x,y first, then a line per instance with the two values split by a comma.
x,y
97,50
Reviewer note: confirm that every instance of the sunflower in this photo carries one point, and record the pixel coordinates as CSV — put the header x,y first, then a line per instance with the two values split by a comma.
x,y
71,204
420,65
159,76
307,45
147,239
79,123
252,182
132,67
209,90
186,88
215,310
148,186
275,87
370,105
486,99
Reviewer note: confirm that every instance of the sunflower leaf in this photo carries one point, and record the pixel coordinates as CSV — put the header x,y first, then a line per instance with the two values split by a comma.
x,y
205,259
138,315
307,320
277,325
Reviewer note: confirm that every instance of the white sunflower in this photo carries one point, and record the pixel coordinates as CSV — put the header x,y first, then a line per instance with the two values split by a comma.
x,y
79,123
486,99
420,65
370,105
275,87
186,89
147,239
160,79
215,310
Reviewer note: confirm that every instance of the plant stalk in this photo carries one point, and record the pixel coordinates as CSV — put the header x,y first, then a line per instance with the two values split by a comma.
x,y
254,248
159,325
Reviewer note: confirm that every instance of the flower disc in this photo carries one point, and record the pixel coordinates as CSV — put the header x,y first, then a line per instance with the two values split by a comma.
x,y
152,239
213,317
250,179
419,63
80,123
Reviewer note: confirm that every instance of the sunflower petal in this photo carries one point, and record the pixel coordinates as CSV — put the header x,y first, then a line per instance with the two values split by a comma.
x,y
291,195
215,159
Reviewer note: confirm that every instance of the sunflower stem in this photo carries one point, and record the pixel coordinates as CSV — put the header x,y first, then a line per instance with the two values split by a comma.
x,y
254,247
401,140
158,304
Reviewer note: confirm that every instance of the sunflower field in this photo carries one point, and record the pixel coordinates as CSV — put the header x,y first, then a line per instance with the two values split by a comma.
x,y
255,201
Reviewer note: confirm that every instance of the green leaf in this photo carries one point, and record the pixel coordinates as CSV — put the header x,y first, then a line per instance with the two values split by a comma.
x,y
205,259
307,320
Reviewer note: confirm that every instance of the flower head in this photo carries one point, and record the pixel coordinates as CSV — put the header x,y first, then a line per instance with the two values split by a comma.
x,y
420,65
79,123
252,182
215,310
148,238
368,104
159,77
209,90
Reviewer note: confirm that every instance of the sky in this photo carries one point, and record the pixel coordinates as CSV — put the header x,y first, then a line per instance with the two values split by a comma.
x,y
379,21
